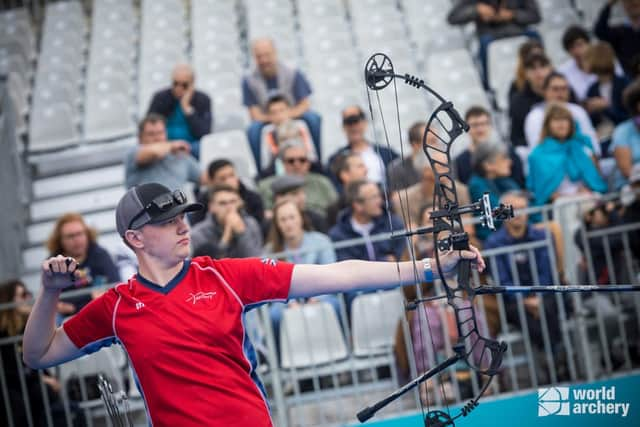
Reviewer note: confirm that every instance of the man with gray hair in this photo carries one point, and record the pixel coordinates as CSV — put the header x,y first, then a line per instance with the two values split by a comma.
x,y
271,77
319,190
187,111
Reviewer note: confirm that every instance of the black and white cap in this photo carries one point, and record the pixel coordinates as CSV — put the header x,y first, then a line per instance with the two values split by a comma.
x,y
150,204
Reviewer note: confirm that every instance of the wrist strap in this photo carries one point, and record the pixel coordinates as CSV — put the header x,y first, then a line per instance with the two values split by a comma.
x,y
428,272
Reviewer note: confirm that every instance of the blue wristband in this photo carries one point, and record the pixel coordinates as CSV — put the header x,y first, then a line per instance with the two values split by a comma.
x,y
428,271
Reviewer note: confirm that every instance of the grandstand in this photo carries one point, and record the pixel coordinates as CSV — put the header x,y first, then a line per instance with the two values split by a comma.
x,y
77,76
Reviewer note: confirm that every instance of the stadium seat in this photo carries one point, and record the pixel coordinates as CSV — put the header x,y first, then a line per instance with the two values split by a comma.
x,y
375,317
310,335
108,118
80,202
232,145
502,59
52,127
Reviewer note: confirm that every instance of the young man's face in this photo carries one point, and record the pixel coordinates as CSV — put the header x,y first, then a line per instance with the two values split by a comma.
x,y
226,175
356,169
168,242
479,128
578,49
222,203
278,112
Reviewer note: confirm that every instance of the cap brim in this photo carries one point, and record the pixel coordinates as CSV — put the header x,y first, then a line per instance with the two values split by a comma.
x,y
190,207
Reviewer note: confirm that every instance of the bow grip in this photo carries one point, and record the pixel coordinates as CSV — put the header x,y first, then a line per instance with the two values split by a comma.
x,y
460,242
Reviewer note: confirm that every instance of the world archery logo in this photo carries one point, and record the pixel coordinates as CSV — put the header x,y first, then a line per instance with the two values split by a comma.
x,y
553,401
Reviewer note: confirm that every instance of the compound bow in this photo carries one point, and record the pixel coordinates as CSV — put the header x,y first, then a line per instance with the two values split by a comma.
x,y
480,353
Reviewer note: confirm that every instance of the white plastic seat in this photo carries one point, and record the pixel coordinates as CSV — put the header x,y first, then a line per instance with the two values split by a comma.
x,y
52,127
232,145
80,202
103,221
108,118
310,335
375,317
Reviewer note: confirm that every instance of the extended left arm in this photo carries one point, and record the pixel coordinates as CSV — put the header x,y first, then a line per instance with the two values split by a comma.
x,y
357,275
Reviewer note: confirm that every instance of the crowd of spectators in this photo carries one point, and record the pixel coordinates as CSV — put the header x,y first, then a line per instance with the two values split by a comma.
x,y
558,114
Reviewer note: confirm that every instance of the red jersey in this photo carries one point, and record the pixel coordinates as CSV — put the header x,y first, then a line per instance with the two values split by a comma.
x,y
186,341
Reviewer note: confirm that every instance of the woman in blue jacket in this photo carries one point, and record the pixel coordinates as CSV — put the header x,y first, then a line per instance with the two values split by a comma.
x,y
563,163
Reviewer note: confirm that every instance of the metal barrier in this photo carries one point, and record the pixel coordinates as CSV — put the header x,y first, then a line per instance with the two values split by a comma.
x,y
552,339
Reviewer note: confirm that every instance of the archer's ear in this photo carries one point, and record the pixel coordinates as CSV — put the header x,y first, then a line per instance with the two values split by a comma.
x,y
134,239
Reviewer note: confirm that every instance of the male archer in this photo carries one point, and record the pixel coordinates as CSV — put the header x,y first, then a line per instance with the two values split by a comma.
x,y
191,360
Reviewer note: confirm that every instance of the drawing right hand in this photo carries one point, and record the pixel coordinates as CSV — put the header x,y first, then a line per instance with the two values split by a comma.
x,y
59,272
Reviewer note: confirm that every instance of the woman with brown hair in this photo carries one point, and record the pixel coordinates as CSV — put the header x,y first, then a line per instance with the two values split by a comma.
x,y
72,237
12,323
562,164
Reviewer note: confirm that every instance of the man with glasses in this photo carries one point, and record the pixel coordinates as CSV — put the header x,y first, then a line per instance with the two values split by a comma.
x,y
226,230
181,320
481,131
556,89
157,159
375,157
319,190
186,110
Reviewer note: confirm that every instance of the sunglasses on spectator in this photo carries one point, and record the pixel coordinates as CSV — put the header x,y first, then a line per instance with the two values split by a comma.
x,y
352,119
159,205
183,85
293,160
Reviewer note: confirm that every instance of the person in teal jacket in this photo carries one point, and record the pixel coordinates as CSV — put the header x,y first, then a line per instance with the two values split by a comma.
x,y
491,174
563,163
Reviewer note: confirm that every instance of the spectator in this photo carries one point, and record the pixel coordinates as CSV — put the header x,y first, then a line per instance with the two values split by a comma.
x,y
366,217
408,203
561,165
222,172
526,48
375,157
12,323
626,137
72,237
536,68
575,41
556,90
348,167
402,172
187,111
227,231
600,217
291,232
604,97
282,128
623,37
495,20
318,188
481,130
268,78
630,198
491,174
156,159
518,231
291,187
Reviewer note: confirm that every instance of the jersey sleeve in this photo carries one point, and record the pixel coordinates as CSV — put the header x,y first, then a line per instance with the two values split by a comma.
x,y
91,329
256,280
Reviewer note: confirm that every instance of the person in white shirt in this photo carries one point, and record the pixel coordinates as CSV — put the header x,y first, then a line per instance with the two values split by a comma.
x,y
556,89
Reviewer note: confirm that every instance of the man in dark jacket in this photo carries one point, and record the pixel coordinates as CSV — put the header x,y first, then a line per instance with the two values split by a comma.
x,y
187,111
495,19
376,157
366,217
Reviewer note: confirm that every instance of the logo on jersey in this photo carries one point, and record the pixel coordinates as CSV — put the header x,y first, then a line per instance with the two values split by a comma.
x,y
269,261
194,298
139,305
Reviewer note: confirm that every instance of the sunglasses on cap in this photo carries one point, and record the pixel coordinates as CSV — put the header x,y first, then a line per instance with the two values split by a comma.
x,y
159,205
352,119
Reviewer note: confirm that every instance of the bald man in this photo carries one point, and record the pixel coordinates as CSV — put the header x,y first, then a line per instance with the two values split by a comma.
x,y
271,77
186,110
